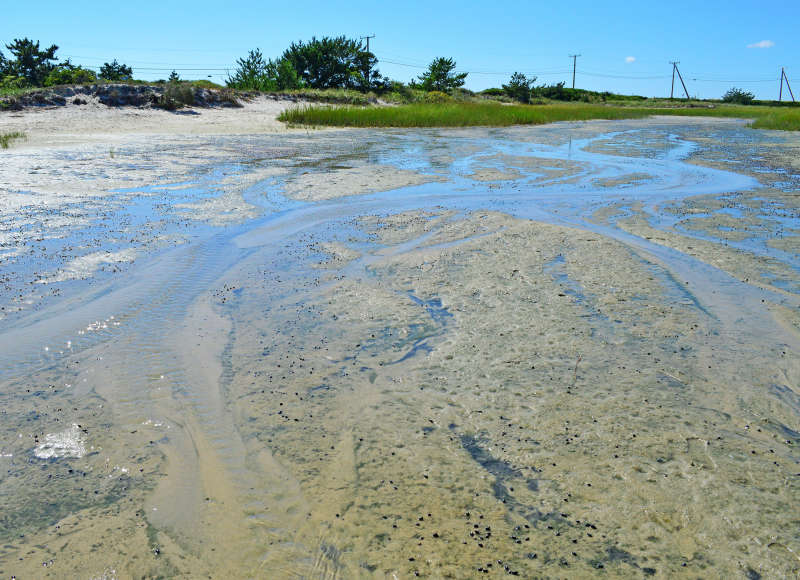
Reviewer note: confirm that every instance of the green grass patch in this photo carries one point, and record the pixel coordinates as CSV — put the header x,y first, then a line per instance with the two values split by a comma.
x,y
6,138
470,114
779,118
452,115
782,120
204,84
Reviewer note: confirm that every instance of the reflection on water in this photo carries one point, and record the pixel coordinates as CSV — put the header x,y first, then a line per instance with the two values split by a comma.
x,y
418,382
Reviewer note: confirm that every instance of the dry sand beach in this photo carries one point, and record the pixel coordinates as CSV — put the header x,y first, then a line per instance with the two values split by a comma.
x,y
236,349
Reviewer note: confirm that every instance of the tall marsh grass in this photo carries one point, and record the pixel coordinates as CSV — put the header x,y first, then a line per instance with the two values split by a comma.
x,y
784,120
452,115
466,114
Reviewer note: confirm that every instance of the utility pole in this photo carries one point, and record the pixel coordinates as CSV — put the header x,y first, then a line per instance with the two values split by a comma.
x,y
780,93
367,39
574,58
683,84
672,88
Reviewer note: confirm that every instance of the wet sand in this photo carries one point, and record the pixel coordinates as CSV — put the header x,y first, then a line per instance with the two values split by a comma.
x,y
562,351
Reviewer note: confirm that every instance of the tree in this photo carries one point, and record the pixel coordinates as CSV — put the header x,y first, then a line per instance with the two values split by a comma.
x,y
253,73
174,77
66,73
739,96
440,76
286,77
31,63
555,91
519,87
329,63
4,65
326,63
115,71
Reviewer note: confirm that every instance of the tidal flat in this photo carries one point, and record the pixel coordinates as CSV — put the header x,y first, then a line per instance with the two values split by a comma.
x,y
561,351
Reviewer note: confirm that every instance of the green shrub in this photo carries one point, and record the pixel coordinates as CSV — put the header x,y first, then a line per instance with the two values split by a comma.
x,y
68,74
13,83
115,71
203,84
738,96
493,92
437,97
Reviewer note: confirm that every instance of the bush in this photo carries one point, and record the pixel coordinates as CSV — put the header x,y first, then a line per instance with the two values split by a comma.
x,y
12,82
739,96
229,97
493,92
176,96
68,74
555,91
437,97
115,71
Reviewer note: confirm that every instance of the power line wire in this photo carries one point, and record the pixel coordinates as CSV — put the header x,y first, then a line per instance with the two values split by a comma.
x,y
615,76
146,66
478,72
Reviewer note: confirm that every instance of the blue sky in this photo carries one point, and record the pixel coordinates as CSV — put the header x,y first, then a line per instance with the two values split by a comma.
x,y
626,47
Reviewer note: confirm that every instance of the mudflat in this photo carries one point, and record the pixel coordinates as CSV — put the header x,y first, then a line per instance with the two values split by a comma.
x,y
232,348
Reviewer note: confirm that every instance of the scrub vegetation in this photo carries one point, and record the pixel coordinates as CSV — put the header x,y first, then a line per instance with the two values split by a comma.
x,y
32,66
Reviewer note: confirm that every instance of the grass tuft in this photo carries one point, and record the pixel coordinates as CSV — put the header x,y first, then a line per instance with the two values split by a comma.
x,y
176,96
6,138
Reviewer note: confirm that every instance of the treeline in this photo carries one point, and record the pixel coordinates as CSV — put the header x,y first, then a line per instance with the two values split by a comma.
x,y
324,63
344,63
28,65
319,64
524,90
333,63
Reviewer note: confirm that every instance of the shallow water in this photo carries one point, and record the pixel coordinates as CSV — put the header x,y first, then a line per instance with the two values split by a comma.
x,y
550,362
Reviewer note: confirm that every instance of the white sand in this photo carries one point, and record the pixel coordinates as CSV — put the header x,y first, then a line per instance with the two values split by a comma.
x,y
95,122
353,181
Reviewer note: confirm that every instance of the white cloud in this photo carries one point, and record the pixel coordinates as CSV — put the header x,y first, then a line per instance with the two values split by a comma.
x,y
630,59
762,44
